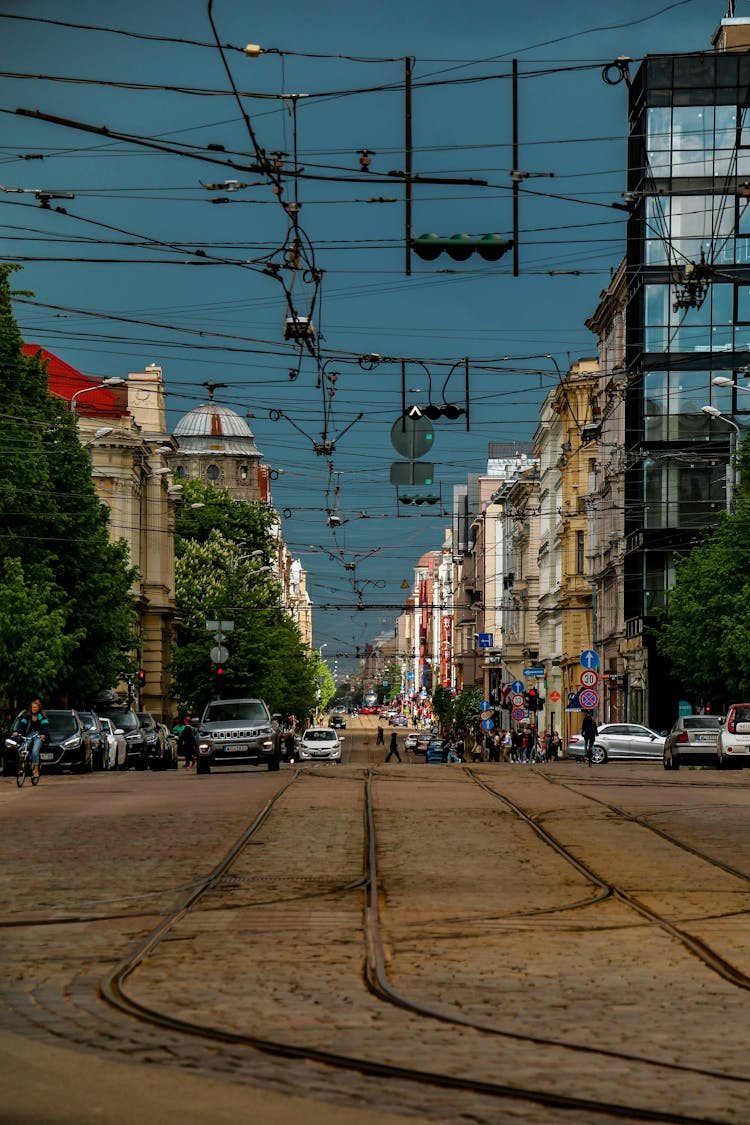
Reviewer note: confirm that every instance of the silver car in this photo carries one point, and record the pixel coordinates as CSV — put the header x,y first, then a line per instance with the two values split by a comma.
x,y
620,742
692,741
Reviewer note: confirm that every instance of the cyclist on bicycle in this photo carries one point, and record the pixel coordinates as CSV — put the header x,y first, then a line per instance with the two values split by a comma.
x,y
34,723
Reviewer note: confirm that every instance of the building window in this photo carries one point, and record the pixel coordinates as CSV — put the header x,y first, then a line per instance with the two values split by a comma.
x,y
212,472
683,493
243,472
580,552
706,329
672,402
697,140
681,227
180,472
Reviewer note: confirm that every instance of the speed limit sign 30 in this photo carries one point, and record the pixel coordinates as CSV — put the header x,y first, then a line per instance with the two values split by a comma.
x,y
589,678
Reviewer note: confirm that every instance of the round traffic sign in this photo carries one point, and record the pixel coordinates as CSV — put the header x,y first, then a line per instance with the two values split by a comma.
x,y
588,699
487,724
518,714
485,705
517,685
589,678
517,700
412,437
589,658
219,654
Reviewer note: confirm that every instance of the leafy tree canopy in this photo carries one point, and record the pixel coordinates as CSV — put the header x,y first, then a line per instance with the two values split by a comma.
x,y
65,588
705,630
466,709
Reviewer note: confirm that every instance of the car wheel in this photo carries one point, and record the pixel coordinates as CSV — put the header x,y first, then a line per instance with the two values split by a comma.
x,y
599,756
203,766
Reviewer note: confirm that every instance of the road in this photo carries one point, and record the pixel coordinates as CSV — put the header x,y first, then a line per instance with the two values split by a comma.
x,y
493,943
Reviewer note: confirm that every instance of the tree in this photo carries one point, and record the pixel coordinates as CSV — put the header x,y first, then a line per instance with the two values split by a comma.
x,y
223,572
705,630
442,707
466,709
55,549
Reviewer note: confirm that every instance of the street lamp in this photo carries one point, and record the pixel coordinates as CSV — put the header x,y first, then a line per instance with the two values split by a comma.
x,y
717,416
113,382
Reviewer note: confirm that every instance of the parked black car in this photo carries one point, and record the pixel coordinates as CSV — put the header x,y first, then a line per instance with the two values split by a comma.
x,y
69,745
135,736
156,749
99,745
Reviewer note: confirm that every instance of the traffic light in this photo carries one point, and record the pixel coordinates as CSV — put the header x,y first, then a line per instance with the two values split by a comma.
x,y
491,247
419,498
532,696
447,410
219,672
141,677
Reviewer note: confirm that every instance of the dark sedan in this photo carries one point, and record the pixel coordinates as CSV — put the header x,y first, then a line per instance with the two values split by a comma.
x,y
69,745
99,741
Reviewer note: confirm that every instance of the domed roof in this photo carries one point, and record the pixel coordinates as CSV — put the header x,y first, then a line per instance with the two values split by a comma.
x,y
215,428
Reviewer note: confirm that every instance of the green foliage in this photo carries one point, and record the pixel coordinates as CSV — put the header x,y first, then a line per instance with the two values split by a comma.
x,y
466,709
72,587
223,553
443,707
705,631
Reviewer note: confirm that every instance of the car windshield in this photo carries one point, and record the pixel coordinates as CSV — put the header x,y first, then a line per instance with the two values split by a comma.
x,y
126,720
698,722
61,726
147,721
89,720
319,736
244,711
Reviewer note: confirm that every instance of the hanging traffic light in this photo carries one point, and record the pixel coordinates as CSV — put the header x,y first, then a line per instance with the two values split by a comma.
x,y
491,247
419,498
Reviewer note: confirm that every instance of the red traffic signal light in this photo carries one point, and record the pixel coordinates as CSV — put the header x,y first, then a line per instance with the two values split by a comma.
x,y
220,671
533,699
141,676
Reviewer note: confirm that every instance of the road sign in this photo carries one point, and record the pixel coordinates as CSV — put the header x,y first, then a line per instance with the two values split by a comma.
x,y
486,640
589,658
517,685
487,724
588,699
535,671
589,678
574,702
412,437
554,696
518,714
220,626
485,705
517,700
219,654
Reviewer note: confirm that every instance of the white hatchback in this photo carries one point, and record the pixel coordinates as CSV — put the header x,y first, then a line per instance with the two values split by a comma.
x,y
733,748
320,744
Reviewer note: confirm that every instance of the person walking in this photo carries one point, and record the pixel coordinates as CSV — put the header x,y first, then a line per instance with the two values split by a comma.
x,y
477,753
187,743
589,730
393,748
380,739
507,744
34,723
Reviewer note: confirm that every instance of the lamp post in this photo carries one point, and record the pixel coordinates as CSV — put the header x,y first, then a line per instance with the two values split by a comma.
x,y
113,382
717,416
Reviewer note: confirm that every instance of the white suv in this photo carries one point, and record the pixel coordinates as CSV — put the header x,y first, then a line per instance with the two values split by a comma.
x,y
733,747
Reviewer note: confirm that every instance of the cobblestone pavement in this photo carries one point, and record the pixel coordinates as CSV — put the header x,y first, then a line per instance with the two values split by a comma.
x,y
579,994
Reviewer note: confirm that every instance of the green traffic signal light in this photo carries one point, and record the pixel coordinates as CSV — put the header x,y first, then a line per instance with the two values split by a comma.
x,y
491,247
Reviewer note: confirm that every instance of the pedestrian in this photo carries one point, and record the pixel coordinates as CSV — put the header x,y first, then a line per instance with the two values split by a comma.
x,y
461,749
380,739
393,748
187,743
556,745
589,730
496,747
477,753
507,744
516,746
525,747
289,746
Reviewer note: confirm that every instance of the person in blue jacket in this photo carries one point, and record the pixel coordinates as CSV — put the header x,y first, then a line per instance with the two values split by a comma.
x,y
34,722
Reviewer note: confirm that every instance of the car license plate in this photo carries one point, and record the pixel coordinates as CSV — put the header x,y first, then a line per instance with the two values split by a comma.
x,y
47,757
239,748
706,738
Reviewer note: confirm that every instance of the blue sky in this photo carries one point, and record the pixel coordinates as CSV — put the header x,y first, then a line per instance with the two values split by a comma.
x,y
572,124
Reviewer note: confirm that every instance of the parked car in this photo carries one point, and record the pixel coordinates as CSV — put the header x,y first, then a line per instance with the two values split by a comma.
x,y
423,741
618,742
117,753
411,741
733,746
69,745
99,743
320,744
135,737
692,741
170,745
157,751
337,722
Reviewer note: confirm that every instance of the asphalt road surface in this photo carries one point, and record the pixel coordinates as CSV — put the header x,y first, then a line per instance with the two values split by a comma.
x,y
372,943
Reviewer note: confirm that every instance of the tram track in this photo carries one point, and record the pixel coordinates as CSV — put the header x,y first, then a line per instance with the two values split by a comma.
x,y
114,990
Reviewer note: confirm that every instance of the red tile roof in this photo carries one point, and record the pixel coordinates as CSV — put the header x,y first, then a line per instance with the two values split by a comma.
x,y
64,381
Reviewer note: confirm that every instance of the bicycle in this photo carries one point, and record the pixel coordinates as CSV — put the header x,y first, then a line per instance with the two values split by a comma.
x,y
25,768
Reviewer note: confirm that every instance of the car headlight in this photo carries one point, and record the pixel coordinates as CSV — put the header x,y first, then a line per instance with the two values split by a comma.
x,y
72,743
203,747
